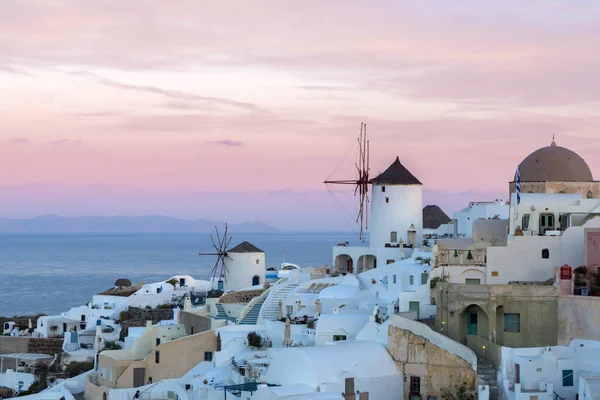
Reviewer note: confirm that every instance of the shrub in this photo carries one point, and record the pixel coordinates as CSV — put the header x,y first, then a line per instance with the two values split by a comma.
x,y
462,393
166,306
111,345
124,316
79,367
254,340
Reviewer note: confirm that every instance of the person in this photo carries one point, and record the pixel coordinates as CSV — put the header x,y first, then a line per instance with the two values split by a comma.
x,y
136,395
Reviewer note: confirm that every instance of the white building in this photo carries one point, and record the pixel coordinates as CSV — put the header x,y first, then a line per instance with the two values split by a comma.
x,y
324,369
543,371
497,209
396,223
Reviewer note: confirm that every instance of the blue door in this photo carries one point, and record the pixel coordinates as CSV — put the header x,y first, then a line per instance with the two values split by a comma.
x,y
471,323
255,280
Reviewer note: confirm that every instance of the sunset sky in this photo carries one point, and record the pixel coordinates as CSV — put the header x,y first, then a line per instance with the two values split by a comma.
x,y
238,110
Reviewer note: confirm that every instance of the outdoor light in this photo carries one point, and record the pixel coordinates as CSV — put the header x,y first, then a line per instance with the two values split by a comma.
x,y
483,347
443,322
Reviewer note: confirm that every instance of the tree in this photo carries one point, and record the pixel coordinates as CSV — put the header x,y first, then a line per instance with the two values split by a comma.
x,y
462,393
173,282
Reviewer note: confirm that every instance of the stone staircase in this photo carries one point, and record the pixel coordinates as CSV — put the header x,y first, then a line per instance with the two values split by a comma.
x,y
251,318
487,374
270,308
221,314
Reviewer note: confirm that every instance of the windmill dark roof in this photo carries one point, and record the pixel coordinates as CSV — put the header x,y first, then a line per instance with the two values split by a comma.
x,y
433,217
396,174
245,247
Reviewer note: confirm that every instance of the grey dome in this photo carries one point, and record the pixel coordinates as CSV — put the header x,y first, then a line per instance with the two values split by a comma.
x,y
554,164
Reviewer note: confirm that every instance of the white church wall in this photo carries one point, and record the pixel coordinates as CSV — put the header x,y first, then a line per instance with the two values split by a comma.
x,y
521,259
395,210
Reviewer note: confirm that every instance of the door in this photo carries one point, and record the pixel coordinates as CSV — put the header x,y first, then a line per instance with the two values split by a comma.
x,y
517,373
414,306
181,282
255,280
546,223
472,323
139,376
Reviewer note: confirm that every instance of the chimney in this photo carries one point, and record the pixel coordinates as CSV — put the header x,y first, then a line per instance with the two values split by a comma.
x,y
148,324
176,315
349,389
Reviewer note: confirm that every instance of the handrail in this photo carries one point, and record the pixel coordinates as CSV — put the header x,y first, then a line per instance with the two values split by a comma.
x,y
557,397
252,303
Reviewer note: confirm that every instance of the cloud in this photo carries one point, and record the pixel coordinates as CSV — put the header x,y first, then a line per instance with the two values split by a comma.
x,y
228,143
20,141
173,94
65,142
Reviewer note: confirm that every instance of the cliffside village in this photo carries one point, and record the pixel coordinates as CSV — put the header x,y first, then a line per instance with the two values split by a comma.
x,y
501,301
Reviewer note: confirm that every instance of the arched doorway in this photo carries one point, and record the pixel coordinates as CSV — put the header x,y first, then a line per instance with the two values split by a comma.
x,y
255,280
473,321
366,263
344,264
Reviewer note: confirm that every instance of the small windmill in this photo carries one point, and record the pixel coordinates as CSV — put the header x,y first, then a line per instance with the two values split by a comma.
x,y
220,267
361,183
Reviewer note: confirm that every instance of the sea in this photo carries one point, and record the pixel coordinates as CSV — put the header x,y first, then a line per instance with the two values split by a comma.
x,y
50,273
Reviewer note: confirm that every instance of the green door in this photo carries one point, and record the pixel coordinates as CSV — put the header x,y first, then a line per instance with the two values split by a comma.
x,y
471,323
414,306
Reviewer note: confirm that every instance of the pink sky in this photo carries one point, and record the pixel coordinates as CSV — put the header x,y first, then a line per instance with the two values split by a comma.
x,y
239,111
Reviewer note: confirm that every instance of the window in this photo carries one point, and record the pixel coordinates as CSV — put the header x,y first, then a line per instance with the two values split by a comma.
x,y
387,199
525,222
110,375
494,273
102,373
424,277
208,356
337,338
83,318
389,262
567,377
415,385
289,310
157,342
394,279
545,253
257,261
565,221
383,188
512,323
472,281
157,357
393,237
412,280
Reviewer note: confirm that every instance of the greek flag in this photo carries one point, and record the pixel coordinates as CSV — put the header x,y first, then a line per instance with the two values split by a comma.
x,y
518,180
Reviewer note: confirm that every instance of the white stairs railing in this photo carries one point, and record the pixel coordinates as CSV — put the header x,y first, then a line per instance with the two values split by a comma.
x,y
270,308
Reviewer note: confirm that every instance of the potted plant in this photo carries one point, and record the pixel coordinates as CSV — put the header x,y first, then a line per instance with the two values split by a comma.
x,y
596,277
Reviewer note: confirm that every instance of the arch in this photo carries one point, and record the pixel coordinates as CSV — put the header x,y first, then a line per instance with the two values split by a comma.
x,y
255,280
472,273
474,320
366,262
104,397
344,264
590,195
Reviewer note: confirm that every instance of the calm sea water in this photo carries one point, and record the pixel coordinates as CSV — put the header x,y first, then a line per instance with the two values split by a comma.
x,y
49,273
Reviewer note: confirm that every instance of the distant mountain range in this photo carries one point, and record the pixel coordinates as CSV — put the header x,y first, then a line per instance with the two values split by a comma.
x,y
122,224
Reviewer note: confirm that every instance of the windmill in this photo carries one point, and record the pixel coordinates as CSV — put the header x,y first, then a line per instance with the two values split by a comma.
x,y
220,246
361,182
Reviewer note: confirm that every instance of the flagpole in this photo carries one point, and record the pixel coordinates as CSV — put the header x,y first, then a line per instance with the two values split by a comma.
x,y
518,196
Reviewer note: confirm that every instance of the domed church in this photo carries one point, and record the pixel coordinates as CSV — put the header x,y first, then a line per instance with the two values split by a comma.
x,y
556,169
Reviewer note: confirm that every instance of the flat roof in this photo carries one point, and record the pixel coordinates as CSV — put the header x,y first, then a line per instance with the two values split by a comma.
x,y
27,356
